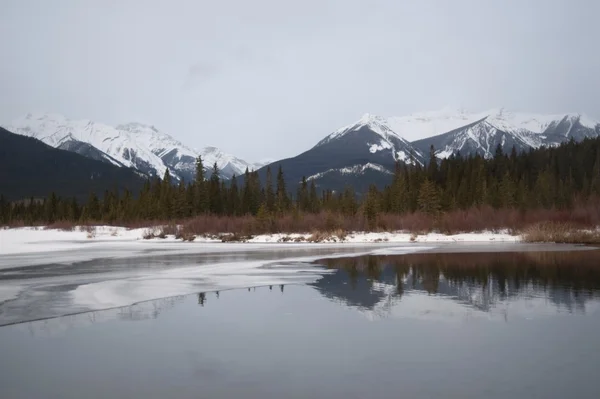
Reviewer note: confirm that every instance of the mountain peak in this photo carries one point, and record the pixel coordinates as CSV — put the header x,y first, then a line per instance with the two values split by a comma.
x,y
137,127
369,118
136,145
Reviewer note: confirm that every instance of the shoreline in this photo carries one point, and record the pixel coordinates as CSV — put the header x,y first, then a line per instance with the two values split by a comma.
x,y
31,240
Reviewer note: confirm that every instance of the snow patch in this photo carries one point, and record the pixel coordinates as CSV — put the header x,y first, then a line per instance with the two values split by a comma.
x,y
352,170
142,147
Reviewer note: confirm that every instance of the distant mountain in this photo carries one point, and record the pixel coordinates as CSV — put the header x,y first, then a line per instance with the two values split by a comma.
x,y
228,164
135,145
481,133
366,151
356,155
28,167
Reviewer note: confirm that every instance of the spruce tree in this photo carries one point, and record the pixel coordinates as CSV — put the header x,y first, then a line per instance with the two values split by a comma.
x,y
432,169
283,202
92,208
303,196
201,195
166,197
315,205
269,193
214,191
234,200
371,207
429,200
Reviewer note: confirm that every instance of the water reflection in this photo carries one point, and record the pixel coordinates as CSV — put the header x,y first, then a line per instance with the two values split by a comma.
x,y
450,286
530,282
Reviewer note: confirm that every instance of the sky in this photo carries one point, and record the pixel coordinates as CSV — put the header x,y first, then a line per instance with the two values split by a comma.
x,y
270,78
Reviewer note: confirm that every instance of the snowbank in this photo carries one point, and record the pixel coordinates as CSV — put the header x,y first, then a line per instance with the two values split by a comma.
x,y
40,240
392,237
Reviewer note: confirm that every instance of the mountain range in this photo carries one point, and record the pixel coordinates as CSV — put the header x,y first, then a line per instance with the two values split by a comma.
x,y
134,145
30,168
362,153
365,152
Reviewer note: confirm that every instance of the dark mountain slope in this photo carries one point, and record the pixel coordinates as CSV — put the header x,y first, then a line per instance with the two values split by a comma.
x,y
29,168
356,156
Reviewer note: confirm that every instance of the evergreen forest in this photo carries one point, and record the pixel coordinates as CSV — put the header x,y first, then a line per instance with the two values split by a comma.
x,y
561,180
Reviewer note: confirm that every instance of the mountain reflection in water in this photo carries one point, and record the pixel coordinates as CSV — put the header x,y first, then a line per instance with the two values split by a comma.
x,y
490,283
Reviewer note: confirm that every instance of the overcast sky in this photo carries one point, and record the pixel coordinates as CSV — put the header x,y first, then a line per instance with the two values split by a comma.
x,y
270,78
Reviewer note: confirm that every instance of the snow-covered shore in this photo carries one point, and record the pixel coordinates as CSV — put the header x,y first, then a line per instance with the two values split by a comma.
x,y
28,240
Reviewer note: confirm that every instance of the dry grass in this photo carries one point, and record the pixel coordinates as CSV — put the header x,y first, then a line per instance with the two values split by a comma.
x,y
337,235
235,237
559,233
90,230
61,225
149,234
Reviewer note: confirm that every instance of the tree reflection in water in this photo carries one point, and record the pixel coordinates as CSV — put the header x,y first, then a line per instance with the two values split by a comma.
x,y
478,280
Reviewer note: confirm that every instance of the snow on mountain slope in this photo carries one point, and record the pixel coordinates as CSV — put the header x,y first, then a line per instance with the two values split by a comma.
x,y
422,125
135,145
55,129
456,130
179,158
381,138
227,163
352,170
263,162
499,127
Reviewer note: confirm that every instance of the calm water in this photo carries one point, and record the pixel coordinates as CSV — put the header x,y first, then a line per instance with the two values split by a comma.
x,y
503,325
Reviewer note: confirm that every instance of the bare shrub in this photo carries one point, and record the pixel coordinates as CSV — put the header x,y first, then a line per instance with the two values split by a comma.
x,y
187,236
63,225
235,237
340,234
169,230
318,236
557,232
91,231
149,234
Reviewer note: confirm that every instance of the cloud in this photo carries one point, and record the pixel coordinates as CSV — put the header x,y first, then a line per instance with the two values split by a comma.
x,y
198,73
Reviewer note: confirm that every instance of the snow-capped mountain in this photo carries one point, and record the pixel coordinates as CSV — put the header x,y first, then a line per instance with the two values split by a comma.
x,y
366,151
228,164
356,155
135,145
452,131
375,134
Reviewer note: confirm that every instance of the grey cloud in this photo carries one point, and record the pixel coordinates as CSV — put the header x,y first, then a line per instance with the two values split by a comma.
x,y
269,78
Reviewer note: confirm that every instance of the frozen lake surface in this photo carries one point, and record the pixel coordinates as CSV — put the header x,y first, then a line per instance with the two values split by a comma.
x,y
419,321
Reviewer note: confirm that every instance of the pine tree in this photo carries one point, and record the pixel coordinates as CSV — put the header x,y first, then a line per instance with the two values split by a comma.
x,y
507,191
166,197
180,205
50,208
429,201
234,200
349,205
432,169
126,212
371,207
201,195
4,210
92,208
269,193
214,191
315,205
283,201
303,198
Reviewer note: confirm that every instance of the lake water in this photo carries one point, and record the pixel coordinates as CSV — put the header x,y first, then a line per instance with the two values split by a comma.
x,y
431,325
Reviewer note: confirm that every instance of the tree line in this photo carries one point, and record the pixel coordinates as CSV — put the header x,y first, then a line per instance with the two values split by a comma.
x,y
549,178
